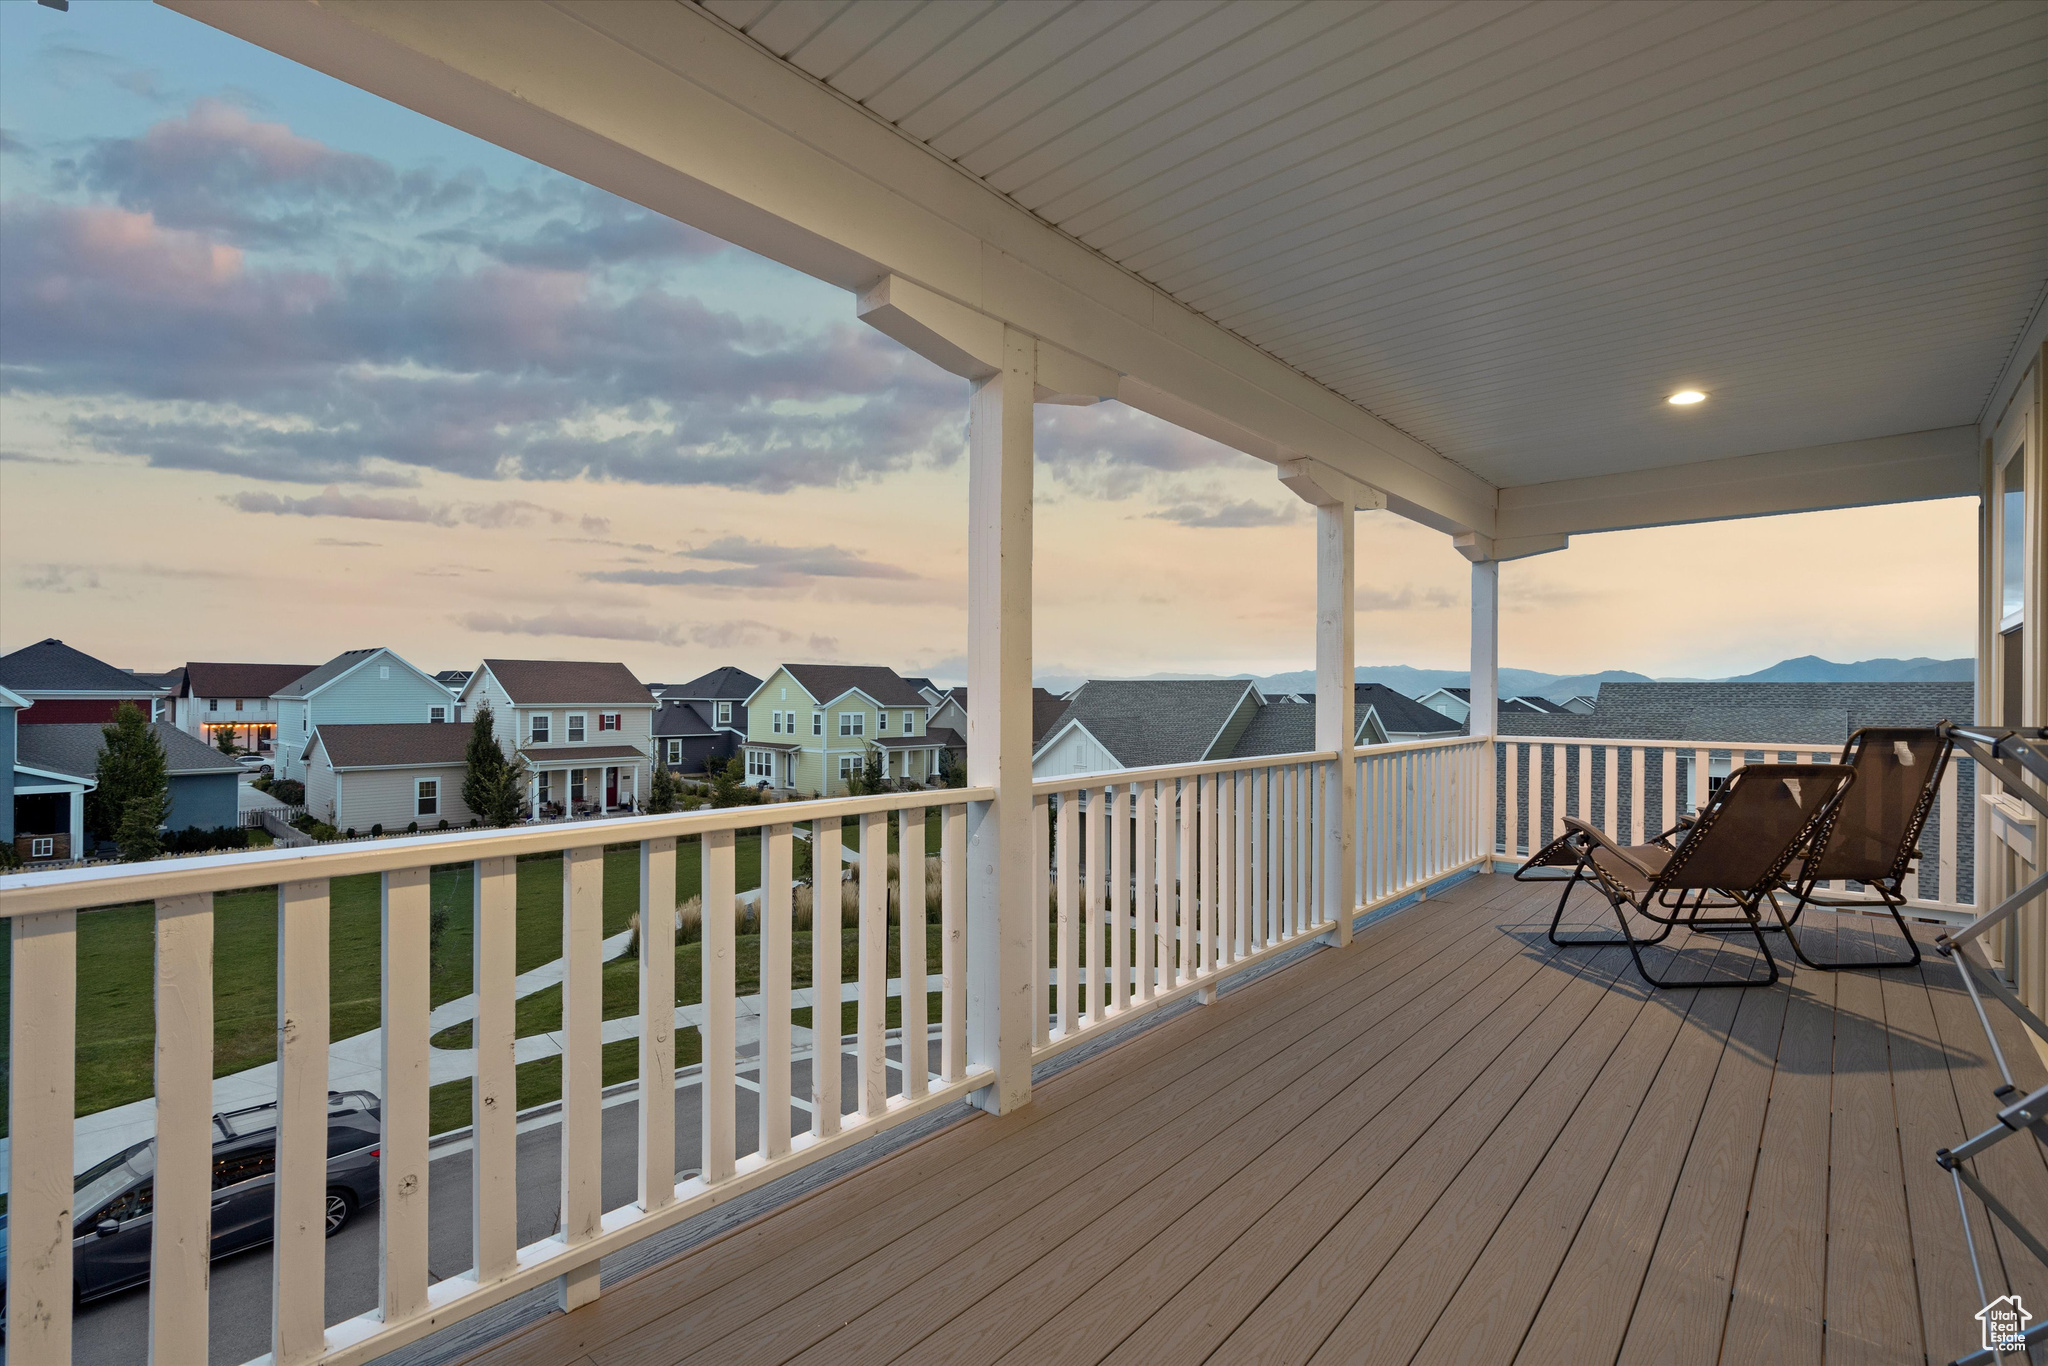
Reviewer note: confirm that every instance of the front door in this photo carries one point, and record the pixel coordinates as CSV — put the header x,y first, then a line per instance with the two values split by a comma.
x,y
611,787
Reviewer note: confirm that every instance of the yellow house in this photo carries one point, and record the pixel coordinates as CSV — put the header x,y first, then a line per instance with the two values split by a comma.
x,y
811,726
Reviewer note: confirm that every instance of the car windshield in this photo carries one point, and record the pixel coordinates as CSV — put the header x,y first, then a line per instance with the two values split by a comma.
x,y
110,1176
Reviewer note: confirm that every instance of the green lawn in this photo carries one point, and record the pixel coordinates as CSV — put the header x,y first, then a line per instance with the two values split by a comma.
x,y
116,1024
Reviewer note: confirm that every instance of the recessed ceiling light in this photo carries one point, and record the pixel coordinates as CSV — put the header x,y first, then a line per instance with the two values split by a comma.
x,y
1687,397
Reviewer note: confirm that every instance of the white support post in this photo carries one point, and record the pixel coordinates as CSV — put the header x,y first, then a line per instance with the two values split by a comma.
x,y
1336,712
1485,690
1000,873
298,1261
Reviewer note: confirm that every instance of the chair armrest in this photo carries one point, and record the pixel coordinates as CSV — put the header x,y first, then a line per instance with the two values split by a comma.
x,y
1593,834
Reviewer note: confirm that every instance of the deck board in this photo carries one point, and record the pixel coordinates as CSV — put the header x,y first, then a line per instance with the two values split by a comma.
x,y
1452,1142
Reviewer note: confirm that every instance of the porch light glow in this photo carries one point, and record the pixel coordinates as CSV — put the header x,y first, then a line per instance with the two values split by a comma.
x,y
1685,398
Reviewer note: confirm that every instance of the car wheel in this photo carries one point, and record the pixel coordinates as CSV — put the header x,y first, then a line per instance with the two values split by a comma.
x,y
341,1207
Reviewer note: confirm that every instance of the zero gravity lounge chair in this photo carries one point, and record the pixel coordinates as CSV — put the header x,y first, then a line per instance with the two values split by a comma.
x,y
1737,848
1876,835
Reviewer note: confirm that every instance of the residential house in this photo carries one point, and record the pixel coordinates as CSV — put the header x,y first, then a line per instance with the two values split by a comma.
x,y
702,722
810,726
584,729
1137,723
62,761
359,687
1455,703
454,680
393,774
71,687
948,718
1111,723
236,698
42,807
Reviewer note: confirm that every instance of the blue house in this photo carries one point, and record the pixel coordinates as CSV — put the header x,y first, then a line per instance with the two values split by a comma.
x,y
361,687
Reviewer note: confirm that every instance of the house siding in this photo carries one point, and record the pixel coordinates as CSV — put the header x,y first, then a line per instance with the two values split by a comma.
x,y
7,721
358,697
1074,752
320,788
385,796
204,801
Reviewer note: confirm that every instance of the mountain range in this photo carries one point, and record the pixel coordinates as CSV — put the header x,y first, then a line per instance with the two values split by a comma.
x,y
1413,682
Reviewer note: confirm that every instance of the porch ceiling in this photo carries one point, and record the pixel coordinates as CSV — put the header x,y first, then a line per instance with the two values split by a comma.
x,y
1512,230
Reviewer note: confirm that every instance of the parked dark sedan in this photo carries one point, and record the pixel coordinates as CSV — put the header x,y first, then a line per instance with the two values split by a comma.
x,y
113,1198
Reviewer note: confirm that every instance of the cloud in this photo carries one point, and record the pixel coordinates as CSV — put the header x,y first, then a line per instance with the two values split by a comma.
x,y
1107,450
348,374
758,564
332,502
1245,513
57,578
329,540
584,626
1405,598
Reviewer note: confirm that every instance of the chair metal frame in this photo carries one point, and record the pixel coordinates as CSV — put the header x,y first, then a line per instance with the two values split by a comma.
x,y
1667,900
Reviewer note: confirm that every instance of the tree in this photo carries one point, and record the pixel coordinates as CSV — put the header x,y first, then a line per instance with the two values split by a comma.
x,y
866,778
134,782
224,741
663,792
729,784
951,772
490,782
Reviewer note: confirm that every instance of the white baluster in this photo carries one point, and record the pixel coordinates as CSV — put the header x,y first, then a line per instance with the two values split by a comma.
x,y
181,1244
298,1258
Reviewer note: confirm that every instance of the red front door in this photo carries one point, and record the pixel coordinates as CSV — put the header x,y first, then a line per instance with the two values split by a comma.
x,y
611,787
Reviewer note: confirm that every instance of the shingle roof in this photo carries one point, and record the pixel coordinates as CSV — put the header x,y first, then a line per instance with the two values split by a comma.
x,y
334,668
676,717
726,683
1143,722
51,666
1046,709
828,681
587,753
555,682
1403,715
240,680
75,749
453,678
394,744
1816,713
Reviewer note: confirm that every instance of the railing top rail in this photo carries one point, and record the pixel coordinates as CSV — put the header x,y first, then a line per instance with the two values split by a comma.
x,y
115,884
1410,746
1117,777
1617,742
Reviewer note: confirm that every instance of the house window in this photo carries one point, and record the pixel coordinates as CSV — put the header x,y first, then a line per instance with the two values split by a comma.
x,y
213,704
881,722
540,729
817,723
775,722
846,764
725,713
575,728
436,715
760,764
675,751
428,801
42,846
575,784
853,723
544,786
383,671
909,723
608,720
238,704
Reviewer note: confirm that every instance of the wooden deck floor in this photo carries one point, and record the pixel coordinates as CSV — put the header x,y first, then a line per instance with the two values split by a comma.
x,y
1451,1144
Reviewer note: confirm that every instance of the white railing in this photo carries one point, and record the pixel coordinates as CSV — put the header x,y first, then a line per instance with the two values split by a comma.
x,y
1152,885
1158,882
1419,816
44,909
1631,790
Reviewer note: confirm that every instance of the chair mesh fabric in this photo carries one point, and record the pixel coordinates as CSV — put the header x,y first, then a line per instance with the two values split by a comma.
x,y
1759,821
1898,773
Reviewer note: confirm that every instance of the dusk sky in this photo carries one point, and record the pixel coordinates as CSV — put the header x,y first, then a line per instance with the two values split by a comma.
x,y
287,370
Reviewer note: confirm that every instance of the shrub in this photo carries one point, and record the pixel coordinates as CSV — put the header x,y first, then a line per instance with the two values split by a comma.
x,y
197,841
377,831
412,827
443,825
664,793
261,782
290,791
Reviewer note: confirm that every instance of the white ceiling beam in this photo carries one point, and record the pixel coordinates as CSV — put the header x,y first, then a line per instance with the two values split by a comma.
x,y
1491,550
1906,468
663,105
1320,486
